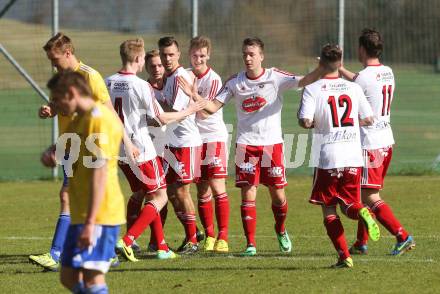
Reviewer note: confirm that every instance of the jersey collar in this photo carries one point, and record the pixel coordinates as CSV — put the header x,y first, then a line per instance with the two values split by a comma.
x,y
257,77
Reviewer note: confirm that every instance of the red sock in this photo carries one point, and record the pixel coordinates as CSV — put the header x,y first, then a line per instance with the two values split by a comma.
x,y
222,215
134,207
362,234
385,216
335,231
249,219
189,220
148,214
352,210
157,234
163,217
280,213
206,215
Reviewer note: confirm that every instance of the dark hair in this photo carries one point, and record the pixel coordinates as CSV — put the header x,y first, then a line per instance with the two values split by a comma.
x,y
372,42
330,53
59,42
167,41
254,41
60,83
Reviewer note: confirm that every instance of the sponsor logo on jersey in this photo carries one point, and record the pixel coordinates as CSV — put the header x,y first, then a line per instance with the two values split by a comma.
x,y
253,104
121,86
247,168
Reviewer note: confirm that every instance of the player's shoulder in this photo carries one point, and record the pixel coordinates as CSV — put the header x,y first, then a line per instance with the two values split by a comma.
x,y
181,71
235,77
88,70
280,72
213,75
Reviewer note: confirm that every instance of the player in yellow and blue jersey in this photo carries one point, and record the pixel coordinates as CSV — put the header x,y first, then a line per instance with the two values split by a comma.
x,y
96,200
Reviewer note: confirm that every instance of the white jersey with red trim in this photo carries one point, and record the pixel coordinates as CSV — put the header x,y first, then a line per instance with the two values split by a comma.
x,y
335,106
133,100
158,134
377,82
259,102
213,128
184,133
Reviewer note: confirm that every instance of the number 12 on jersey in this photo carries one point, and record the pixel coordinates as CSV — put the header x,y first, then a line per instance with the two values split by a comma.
x,y
343,101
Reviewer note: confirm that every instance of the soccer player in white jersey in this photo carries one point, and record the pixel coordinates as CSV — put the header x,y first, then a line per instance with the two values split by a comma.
x,y
133,99
214,136
257,92
182,151
334,108
377,82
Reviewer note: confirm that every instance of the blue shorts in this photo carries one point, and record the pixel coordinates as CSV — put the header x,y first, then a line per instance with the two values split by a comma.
x,y
65,178
95,257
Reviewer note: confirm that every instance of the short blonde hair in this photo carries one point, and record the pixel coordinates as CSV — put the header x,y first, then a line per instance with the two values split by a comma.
x,y
60,42
130,49
150,54
200,42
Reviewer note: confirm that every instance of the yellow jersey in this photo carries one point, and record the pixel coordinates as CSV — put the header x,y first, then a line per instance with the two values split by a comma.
x,y
99,92
99,120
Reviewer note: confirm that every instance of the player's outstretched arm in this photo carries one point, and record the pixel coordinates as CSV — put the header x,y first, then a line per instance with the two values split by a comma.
x,y
211,107
348,75
313,76
170,117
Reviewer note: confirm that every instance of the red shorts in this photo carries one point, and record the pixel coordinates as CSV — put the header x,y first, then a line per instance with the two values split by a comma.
x,y
333,185
260,164
214,164
182,163
149,177
376,163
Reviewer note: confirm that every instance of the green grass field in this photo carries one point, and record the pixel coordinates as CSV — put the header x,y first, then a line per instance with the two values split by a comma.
x,y
29,212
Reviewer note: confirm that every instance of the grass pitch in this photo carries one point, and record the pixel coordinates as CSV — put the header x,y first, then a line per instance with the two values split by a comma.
x,y
29,211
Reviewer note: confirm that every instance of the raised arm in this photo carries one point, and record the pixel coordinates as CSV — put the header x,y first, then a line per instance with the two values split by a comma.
x,y
313,76
348,75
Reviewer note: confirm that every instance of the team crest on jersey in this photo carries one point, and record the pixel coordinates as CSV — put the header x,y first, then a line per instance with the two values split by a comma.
x,y
261,86
324,87
275,172
378,77
253,104
247,168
